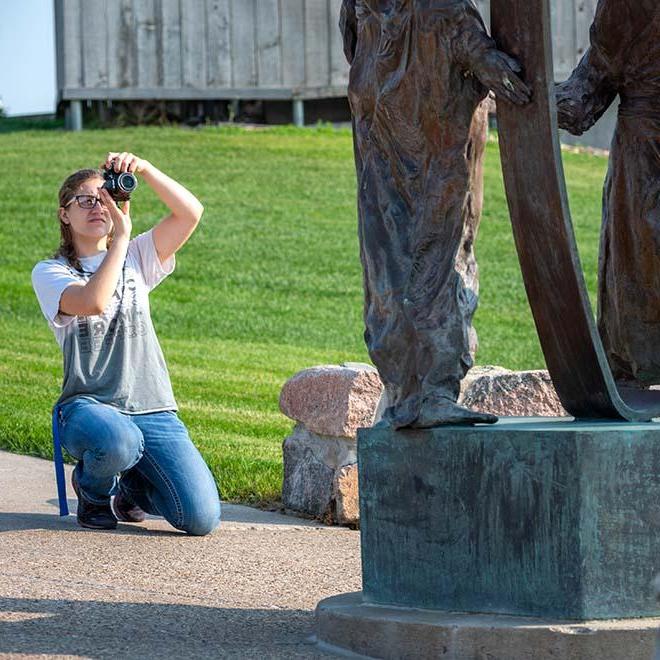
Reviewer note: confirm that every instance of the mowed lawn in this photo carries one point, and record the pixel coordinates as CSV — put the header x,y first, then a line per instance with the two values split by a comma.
x,y
269,284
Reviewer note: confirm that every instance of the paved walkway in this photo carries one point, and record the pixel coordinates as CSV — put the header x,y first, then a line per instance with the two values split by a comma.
x,y
147,591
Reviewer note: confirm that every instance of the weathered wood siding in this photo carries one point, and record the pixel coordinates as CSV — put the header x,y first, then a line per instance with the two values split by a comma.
x,y
570,30
188,49
200,49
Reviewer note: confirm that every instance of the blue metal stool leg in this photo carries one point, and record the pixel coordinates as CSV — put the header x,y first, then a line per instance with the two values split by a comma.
x,y
59,464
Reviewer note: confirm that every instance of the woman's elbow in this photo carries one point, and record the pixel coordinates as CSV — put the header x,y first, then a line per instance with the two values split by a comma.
x,y
198,212
192,215
95,309
81,309
77,300
85,308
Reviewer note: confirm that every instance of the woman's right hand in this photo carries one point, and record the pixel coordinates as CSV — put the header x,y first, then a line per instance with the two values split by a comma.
x,y
120,217
92,298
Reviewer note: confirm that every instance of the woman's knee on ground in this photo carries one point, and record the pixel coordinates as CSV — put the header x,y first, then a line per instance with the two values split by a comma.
x,y
203,517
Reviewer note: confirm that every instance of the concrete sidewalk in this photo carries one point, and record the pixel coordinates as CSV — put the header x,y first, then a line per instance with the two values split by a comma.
x,y
147,591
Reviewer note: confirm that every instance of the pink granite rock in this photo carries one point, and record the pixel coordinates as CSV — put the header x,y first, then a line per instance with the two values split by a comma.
x,y
332,400
330,403
511,393
312,467
347,501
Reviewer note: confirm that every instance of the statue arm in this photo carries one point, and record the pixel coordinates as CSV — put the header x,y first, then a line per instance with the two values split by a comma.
x,y
586,95
348,27
471,42
476,53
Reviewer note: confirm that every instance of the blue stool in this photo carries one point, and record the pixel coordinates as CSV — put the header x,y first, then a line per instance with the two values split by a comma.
x,y
59,464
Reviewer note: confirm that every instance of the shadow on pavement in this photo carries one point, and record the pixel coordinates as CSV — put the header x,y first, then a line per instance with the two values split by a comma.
x,y
95,629
239,513
12,522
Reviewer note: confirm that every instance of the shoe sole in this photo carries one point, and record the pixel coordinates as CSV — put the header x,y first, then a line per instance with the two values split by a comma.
x,y
97,527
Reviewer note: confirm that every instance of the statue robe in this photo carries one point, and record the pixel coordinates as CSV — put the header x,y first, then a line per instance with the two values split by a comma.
x,y
624,59
420,125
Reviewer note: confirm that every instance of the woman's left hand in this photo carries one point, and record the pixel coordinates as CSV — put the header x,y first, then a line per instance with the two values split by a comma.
x,y
125,162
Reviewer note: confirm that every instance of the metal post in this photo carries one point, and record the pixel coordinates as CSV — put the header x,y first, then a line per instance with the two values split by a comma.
x,y
102,112
75,116
234,109
298,112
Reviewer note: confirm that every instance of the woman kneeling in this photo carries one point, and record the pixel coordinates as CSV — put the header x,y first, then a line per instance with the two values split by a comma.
x,y
117,413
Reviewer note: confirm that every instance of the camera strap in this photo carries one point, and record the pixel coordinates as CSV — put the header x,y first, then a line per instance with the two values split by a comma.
x,y
59,464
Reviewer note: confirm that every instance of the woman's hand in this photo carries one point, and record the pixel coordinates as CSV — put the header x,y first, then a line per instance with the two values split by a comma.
x,y
125,162
120,217
185,209
92,298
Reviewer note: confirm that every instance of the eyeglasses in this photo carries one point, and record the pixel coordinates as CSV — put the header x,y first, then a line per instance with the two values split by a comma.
x,y
85,201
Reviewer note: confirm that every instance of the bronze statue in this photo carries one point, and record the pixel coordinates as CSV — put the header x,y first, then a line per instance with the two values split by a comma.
x,y
624,60
420,75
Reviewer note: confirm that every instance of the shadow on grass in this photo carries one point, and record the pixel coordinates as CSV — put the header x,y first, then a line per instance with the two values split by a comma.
x,y
97,629
16,124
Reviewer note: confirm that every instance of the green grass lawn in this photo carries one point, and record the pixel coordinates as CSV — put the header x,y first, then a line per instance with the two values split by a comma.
x,y
269,284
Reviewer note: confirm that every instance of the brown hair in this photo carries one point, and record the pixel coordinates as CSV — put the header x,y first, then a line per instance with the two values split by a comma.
x,y
68,190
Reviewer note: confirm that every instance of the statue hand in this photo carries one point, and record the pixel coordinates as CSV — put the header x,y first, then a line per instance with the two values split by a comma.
x,y
570,112
497,71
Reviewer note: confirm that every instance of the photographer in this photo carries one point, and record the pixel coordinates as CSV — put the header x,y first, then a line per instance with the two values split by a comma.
x,y
117,413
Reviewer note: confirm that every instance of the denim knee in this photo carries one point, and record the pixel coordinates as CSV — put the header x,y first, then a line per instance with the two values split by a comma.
x,y
203,519
116,447
105,439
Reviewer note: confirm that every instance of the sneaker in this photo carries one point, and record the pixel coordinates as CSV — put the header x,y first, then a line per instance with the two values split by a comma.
x,y
124,510
90,514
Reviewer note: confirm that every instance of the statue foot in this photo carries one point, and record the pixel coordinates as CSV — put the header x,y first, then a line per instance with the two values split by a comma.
x,y
447,412
400,417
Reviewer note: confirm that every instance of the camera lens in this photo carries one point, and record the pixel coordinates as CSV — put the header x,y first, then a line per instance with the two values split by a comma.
x,y
126,182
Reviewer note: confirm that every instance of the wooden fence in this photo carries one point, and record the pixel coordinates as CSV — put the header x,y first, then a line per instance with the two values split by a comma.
x,y
232,49
570,31
196,49
199,49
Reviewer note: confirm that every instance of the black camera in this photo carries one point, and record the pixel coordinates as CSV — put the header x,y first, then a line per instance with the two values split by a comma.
x,y
120,185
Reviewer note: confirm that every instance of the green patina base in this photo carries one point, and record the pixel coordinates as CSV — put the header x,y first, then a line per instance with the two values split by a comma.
x,y
531,517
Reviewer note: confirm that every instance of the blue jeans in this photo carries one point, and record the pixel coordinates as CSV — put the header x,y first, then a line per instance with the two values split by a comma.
x,y
161,470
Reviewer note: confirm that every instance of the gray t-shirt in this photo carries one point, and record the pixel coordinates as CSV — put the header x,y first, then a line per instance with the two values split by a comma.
x,y
114,358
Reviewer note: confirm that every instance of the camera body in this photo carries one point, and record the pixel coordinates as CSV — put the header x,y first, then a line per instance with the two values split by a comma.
x,y
120,185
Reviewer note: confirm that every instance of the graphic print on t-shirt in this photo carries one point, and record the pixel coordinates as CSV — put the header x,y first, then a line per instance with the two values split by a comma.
x,y
122,319
106,357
